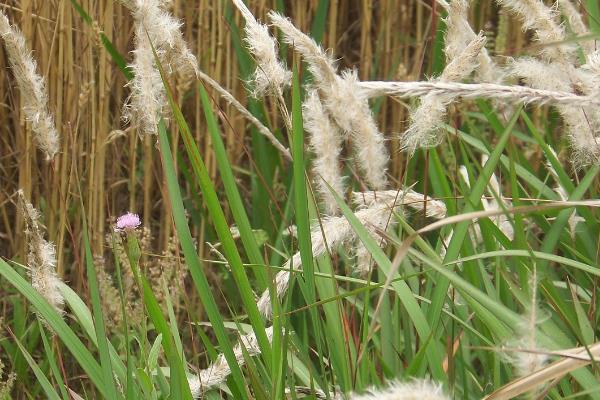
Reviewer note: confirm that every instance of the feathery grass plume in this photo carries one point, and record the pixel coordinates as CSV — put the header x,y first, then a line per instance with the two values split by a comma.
x,y
154,27
217,373
247,114
542,20
347,105
271,75
576,24
326,143
41,259
458,36
148,100
407,197
32,88
417,389
593,63
527,362
331,234
426,121
582,123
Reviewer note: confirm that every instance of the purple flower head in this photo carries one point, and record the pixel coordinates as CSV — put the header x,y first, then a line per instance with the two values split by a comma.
x,y
127,222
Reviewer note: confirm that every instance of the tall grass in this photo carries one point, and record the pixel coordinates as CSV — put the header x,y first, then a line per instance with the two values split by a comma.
x,y
368,200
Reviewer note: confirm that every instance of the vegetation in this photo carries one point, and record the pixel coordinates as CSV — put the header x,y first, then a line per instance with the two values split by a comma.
x,y
321,200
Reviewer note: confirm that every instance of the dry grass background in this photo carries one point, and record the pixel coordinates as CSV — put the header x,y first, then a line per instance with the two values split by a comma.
x,y
104,163
386,39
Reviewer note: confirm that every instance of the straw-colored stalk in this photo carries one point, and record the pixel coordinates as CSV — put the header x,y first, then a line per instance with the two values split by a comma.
x,y
32,87
426,120
41,258
347,105
218,372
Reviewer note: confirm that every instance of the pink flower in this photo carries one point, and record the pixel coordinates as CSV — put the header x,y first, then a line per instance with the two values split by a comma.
x,y
127,222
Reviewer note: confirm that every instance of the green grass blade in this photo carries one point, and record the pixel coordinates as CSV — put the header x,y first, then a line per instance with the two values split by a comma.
x,y
85,359
300,189
52,361
233,195
194,264
405,293
102,340
39,374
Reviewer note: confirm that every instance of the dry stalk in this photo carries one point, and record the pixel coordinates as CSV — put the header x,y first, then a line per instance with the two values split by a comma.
x,y
476,90
247,114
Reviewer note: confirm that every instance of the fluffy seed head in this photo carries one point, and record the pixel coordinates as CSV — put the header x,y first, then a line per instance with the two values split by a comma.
x,y
458,36
320,64
576,23
417,201
155,27
41,259
412,390
271,76
541,19
582,124
426,121
331,234
326,143
32,88
217,373
533,359
344,101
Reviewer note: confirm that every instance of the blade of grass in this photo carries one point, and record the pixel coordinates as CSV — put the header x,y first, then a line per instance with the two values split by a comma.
x,y
39,374
233,195
85,359
406,295
102,339
195,267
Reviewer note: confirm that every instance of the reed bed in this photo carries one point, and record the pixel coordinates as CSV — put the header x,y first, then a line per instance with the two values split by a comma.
x,y
276,199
